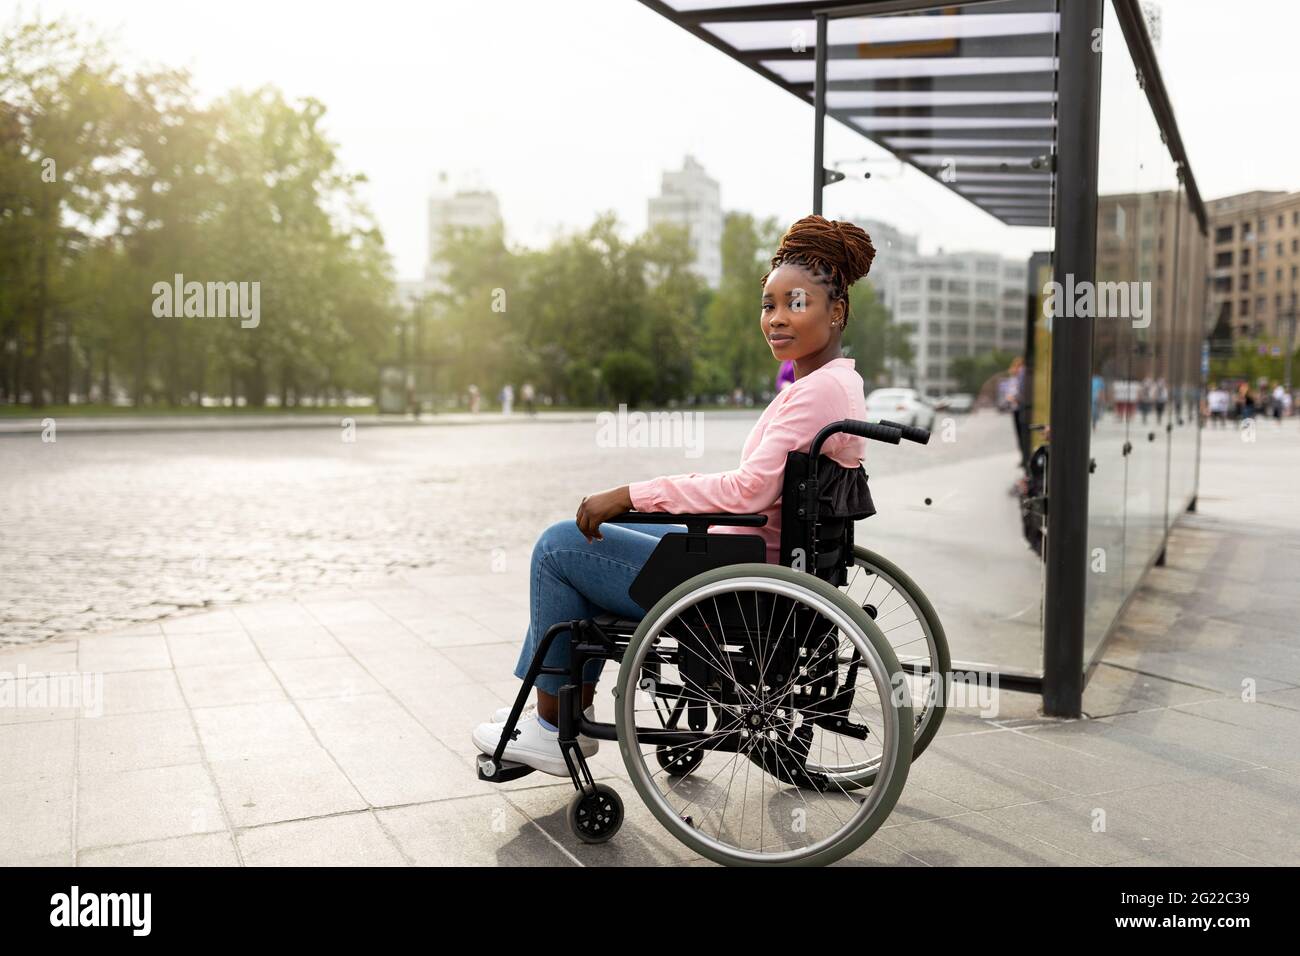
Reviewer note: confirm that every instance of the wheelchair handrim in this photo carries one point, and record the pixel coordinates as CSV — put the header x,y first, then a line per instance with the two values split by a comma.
x,y
849,835
927,724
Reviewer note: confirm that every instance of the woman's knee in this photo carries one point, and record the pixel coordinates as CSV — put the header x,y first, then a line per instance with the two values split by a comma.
x,y
562,534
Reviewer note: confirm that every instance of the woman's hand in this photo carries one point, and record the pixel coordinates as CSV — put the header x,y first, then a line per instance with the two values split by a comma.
x,y
599,508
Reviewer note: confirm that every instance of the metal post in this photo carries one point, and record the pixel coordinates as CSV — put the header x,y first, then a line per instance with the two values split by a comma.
x,y
1065,600
819,121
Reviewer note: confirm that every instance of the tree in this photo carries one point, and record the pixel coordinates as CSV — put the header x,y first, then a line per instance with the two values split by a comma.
x,y
871,338
733,353
61,101
115,181
972,372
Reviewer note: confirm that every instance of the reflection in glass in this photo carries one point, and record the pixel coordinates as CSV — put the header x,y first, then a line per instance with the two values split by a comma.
x,y
1145,374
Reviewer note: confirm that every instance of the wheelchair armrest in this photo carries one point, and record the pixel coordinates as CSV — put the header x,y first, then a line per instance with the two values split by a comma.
x,y
695,523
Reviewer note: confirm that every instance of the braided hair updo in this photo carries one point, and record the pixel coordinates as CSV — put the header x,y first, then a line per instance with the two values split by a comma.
x,y
837,253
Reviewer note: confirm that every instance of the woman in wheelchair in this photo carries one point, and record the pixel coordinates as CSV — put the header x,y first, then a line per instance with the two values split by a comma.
x,y
582,568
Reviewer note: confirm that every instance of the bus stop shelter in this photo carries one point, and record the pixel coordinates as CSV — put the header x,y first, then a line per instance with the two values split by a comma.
x,y
1052,116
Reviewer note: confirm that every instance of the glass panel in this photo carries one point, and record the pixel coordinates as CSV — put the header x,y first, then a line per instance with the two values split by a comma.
x,y
1135,308
955,270
1186,384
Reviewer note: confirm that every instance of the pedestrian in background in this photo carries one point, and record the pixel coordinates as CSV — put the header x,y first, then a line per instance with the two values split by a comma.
x,y
1146,397
528,397
1245,402
474,399
507,399
1015,400
1217,403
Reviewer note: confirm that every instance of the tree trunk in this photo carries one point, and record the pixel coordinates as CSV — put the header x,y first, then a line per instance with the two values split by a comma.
x,y
106,380
87,375
66,383
137,388
257,385
42,300
173,366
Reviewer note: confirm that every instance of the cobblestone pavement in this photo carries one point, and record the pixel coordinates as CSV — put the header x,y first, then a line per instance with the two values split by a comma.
x,y
104,530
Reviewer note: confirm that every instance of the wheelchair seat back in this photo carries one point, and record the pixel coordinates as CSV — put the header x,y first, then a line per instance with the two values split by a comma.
x,y
819,503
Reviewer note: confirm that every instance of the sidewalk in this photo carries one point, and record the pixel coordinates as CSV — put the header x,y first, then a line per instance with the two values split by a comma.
x,y
334,729
125,424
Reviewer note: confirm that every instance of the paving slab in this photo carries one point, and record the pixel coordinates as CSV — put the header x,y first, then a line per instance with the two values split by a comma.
x,y
353,839
132,806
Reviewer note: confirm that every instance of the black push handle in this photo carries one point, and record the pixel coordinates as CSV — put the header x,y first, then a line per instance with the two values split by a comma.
x,y
882,432
876,431
911,432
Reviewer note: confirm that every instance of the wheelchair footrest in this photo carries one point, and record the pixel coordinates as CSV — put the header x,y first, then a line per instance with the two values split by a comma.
x,y
839,724
785,759
492,772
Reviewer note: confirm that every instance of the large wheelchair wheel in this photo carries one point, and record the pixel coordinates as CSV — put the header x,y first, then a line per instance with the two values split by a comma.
x,y
742,665
909,622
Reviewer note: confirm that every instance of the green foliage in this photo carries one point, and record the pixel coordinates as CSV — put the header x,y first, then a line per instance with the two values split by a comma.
x,y
628,376
973,371
592,318
1247,364
870,337
734,353
115,181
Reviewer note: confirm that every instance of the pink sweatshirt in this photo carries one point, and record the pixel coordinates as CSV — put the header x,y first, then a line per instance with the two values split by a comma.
x,y
789,423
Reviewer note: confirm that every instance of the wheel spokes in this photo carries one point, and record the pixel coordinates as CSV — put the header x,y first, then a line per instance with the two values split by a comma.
x,y
756,679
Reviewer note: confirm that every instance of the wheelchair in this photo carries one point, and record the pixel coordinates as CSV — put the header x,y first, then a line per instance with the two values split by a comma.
x,y
766,714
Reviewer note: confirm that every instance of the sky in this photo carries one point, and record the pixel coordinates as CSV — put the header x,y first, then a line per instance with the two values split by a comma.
x,y
567,108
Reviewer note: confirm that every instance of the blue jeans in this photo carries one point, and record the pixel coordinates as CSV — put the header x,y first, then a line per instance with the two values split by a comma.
x,y
572,580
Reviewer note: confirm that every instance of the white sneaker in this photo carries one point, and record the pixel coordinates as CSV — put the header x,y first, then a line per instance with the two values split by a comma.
x,y
532,745
500,715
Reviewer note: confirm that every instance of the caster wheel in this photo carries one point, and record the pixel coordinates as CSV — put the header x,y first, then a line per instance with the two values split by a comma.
x,y
678,761
595,817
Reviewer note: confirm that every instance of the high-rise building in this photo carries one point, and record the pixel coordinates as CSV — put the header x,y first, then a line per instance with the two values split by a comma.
x,y
951,304
1254,262
689,197
465,208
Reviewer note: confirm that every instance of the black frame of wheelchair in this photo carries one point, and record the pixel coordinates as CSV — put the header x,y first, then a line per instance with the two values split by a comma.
x,y
820,502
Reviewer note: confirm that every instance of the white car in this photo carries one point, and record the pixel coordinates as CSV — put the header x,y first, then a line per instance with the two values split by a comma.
x,y
902,405
960,403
